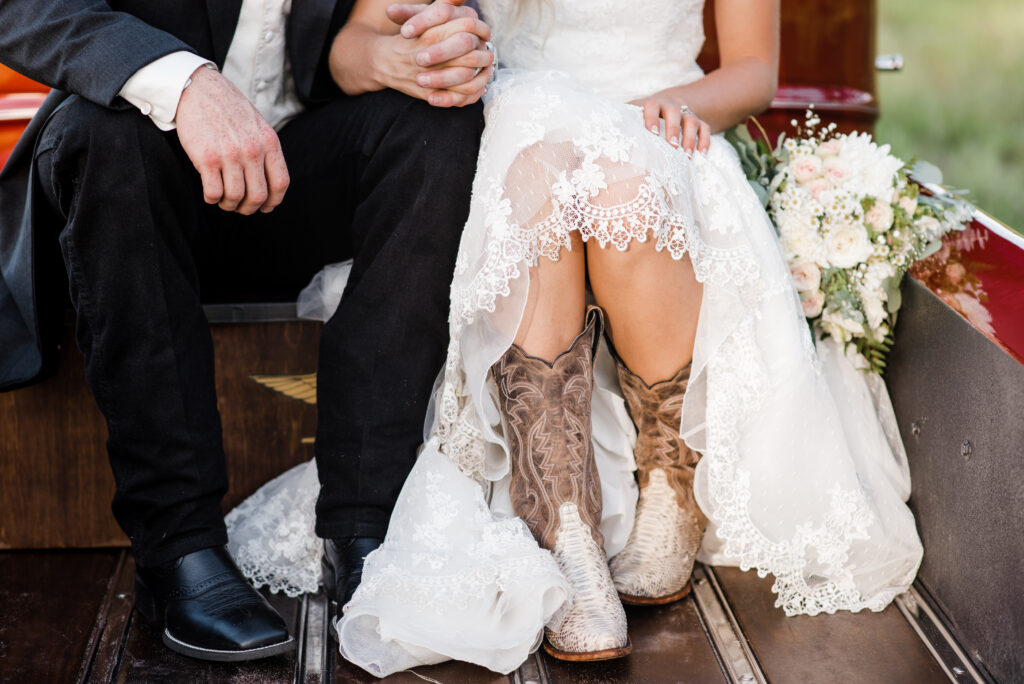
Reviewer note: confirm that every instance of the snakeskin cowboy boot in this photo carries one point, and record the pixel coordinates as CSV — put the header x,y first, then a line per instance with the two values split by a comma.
x,y
556,490
655,565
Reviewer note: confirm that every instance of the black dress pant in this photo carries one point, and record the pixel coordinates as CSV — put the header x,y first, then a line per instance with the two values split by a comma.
x,y
381,177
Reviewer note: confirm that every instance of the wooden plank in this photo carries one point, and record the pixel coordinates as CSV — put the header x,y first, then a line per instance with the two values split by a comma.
x,y
55,481
112,622
845,647
50,603
669,645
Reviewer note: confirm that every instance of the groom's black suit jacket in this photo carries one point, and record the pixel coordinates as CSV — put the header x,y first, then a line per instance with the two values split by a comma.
x,y
90,48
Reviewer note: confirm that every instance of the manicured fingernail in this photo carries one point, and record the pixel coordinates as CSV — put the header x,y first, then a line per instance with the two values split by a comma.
x,y
423,80
673,141
407,30
655,130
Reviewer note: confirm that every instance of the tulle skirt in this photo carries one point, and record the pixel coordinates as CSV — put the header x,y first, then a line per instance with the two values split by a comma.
x,y
802,475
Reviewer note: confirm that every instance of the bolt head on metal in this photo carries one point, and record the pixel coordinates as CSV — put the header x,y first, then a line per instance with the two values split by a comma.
x,y
967,449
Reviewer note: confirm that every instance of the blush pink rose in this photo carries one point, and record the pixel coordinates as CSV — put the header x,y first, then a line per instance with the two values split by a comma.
x,y
806,276
806,168
829,148
837,171
879,217
816,187
812,303
909,205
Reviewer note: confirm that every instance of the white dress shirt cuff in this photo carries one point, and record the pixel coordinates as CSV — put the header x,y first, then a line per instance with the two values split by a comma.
x,y
156,88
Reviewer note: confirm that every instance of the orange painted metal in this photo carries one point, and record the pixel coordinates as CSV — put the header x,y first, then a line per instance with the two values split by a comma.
x,y
19,99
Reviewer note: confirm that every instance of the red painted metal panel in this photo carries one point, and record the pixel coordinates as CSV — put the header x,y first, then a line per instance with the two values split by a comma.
x,y
980,274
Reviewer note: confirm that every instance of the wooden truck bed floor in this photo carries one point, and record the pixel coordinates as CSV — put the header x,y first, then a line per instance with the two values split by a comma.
x,y
67,616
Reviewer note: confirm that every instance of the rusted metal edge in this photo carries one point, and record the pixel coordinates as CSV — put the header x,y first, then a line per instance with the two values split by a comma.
x,y
726,635
937,639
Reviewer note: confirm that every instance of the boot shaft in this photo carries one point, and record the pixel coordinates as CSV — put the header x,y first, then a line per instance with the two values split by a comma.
x,y
546,408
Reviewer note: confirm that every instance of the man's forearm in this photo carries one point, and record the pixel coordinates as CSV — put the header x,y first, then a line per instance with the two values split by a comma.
x,y
81,46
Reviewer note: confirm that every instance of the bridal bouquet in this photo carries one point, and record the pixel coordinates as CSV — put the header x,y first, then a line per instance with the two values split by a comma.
x,y
851,223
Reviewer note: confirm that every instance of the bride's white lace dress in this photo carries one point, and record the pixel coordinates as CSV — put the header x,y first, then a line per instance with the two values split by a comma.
x,y
800,477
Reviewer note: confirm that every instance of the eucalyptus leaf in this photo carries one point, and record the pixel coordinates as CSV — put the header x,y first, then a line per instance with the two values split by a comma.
x,y
894,299
926,172
931,248
760,191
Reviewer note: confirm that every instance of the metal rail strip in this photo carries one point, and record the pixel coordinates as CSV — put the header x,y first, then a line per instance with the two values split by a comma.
x,y
939,641
728,639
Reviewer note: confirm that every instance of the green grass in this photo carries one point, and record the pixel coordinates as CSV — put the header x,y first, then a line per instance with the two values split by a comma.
x,y
959,102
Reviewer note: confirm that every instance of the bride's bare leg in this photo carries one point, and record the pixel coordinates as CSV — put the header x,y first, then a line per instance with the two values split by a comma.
x,y
652,303
544,383
554,306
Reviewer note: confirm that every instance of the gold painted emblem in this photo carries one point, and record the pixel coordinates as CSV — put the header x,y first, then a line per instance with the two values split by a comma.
x,y
301,387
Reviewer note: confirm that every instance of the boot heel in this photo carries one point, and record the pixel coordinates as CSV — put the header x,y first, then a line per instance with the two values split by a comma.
x,y
145,602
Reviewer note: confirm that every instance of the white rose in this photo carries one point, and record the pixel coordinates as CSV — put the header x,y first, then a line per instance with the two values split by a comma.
x,y
909,205
879,217
800,239
874,308
929,225
840,327
806,276
829,148
812,302
847,245
806,168
837,171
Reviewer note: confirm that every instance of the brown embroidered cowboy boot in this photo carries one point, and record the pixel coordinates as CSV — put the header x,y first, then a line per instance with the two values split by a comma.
x,y
655,565
556,490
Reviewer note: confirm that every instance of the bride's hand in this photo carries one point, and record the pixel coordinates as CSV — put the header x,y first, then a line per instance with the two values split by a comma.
x,y
682,125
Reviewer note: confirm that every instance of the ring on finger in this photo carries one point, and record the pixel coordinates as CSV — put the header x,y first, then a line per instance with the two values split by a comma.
x,y
684,110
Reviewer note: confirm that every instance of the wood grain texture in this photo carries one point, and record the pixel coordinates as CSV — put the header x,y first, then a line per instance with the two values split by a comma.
x,y
49,605
147,661
852,648
55,481
827,46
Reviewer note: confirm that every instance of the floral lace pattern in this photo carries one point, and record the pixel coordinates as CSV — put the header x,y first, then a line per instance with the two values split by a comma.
x,y
606,180
271,534
797,479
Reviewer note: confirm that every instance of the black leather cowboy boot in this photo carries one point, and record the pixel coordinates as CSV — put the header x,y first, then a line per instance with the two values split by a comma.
x,y
209,610
342,565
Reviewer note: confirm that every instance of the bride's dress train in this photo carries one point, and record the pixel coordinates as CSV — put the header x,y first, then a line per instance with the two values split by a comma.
x,y
803,475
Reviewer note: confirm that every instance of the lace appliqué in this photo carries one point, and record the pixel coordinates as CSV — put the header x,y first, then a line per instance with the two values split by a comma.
x,y
271,534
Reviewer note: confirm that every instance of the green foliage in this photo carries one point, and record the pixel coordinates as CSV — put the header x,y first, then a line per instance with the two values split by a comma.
x,y
957,103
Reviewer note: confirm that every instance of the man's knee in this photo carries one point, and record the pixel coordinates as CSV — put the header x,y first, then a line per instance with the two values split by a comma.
x,y
454,132
85,147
